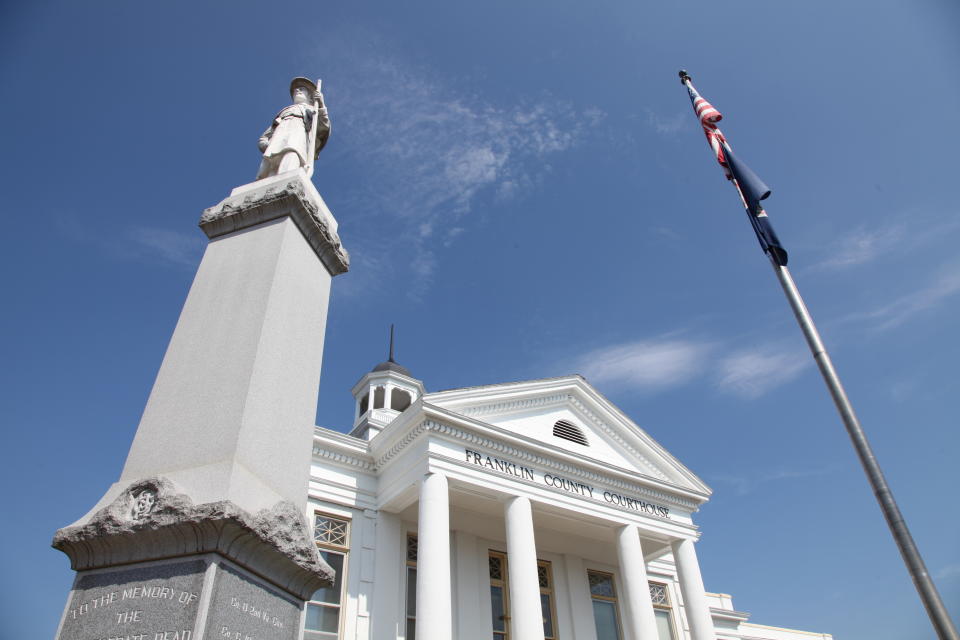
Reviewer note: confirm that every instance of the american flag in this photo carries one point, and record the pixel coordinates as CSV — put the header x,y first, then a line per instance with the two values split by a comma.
x,y
709,117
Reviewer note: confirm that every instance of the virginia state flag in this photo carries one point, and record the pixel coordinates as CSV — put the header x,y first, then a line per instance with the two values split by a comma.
x,y
754,190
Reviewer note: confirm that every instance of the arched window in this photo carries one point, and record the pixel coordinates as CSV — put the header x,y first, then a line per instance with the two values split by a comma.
x,y
399,399
379,394
364,403
569,431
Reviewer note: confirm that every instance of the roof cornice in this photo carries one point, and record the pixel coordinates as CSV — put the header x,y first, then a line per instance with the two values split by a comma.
x,y
507,398
433,419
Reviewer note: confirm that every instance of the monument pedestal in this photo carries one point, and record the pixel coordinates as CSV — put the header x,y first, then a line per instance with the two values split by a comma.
x,y
162,568
204,534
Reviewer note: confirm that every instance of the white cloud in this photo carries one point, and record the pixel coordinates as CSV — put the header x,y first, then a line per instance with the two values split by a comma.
x,y
948,572
745,483
943,286
864,245
669,124
861,246
646,365
429,149
183,249
753,372
151,244
666,362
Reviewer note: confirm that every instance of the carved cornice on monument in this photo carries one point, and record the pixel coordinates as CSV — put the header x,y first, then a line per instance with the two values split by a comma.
x,y
289,194
152,520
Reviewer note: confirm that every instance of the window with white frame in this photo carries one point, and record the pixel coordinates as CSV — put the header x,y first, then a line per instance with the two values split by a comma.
x,y
660,596
324,611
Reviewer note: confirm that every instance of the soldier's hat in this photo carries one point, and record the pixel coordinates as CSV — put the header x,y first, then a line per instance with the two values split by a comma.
x,y
306,83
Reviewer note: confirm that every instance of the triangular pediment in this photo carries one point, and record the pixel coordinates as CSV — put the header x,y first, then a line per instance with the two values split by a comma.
x,y
533,408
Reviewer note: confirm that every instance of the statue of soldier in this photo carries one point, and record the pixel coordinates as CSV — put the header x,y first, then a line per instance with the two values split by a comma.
x,y
287,142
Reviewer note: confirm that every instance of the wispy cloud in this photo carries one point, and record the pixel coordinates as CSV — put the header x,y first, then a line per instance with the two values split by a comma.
x,y
942,286
174,247
753,372
144,244
864,245
646,365
668,124
861,246
948,572
669,361
430,149
744,483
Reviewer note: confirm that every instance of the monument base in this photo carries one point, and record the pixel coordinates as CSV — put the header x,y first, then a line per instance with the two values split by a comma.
x,y
154,566
175,599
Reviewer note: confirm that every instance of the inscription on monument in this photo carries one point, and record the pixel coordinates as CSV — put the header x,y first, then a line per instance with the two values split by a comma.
x,y
156,602
243,608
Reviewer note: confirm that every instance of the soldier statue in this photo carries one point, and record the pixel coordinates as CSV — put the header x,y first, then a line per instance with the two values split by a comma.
x,y
297,134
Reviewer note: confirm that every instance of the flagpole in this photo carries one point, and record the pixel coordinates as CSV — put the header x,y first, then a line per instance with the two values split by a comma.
x,y
939,616
937,612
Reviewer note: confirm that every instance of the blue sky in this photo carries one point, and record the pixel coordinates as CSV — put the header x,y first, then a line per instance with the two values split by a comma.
x,y
525,192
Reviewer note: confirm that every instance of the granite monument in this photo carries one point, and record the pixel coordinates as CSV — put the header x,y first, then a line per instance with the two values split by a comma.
x,y
204,534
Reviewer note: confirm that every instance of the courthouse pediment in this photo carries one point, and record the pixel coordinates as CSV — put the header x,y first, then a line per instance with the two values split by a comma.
x,y
569,414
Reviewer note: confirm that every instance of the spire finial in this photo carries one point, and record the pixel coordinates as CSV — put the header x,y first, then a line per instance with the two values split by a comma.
x,y
390,359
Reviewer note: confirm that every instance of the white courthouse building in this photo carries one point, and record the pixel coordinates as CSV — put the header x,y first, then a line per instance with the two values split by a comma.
x,y
531,510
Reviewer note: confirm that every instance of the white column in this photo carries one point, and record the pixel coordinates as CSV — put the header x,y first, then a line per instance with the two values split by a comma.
x,y
640,622
691,586
578,593
387,612
526,616
434,612
470,567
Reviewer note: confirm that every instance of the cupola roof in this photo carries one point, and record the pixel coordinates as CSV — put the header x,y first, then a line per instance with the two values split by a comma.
x,y
390,364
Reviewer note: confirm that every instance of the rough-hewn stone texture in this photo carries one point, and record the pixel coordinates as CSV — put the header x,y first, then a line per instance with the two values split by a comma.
x,y
274,543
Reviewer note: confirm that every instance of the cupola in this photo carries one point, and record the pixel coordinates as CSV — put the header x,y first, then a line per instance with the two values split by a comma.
x,y
382,395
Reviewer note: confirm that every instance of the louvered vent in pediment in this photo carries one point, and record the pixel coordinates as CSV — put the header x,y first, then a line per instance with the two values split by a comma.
x,y
569,431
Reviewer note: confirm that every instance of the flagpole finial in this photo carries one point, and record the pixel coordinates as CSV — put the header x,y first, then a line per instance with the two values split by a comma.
x,y
684,76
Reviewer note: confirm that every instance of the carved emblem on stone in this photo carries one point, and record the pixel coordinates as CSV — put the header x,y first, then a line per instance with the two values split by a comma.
x,y
143,503
166,523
